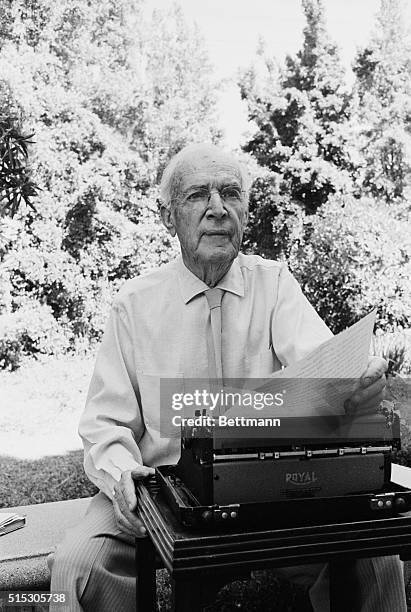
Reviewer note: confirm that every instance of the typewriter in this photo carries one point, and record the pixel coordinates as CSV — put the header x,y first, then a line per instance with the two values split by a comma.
x,y
338,469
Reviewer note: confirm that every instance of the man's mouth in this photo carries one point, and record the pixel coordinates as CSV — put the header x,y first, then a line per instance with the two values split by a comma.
x,y
217,233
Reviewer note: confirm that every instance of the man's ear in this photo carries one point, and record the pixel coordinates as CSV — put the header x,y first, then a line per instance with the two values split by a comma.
x,y
168,220
246,215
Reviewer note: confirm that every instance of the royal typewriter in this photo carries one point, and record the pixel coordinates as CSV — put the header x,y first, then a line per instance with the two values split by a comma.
x,y
337,469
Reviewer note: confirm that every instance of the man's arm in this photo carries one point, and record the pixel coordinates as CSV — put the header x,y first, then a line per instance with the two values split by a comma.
x,y
296,327
112,422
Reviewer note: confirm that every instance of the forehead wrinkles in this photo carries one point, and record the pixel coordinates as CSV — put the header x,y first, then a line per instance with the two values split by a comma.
x,y
205,171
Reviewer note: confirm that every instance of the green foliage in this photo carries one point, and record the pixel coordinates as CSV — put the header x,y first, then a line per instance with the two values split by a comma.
x,y
180,102
110,96
16,182
32,329
383,109
300,119
355,257
275,222
322,150
393,347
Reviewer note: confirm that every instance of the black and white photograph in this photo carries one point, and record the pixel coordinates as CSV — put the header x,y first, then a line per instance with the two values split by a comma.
x,y
205,305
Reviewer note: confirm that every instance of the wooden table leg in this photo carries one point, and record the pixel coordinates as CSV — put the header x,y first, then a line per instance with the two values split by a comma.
x,y
146,575
344,588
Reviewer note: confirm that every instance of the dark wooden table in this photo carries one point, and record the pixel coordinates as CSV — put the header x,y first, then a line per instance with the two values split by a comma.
x,y
201,563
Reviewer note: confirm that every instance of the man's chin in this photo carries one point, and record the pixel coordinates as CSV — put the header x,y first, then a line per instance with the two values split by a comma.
x,y
218,255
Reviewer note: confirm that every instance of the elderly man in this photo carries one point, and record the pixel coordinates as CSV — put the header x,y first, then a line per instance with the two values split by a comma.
x,y
160,327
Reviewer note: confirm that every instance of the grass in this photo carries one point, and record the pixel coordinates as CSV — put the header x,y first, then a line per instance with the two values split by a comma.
x,y
26,481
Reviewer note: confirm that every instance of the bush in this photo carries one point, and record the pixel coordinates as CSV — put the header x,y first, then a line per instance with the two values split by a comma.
x,y
354,257
393,347
275,222
78,286
29,330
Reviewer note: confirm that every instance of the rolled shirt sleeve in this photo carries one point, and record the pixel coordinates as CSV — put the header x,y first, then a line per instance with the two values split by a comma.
x,y
112,424
296,327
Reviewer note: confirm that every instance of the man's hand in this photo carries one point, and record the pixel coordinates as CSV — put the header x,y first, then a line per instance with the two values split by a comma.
x,y
125,501
370,389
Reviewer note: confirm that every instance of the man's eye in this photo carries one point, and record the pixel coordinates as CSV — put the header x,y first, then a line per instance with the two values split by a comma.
x,y
196,196
231,193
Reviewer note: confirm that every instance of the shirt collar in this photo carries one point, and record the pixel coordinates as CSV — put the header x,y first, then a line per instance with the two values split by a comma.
x,y
191,285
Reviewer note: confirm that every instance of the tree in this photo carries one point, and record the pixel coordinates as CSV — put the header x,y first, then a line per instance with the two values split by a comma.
x,y
301,124
302,139
348,251
110,96
180,97
383,110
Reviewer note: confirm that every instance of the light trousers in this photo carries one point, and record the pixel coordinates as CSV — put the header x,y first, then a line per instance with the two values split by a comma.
x,y
95,565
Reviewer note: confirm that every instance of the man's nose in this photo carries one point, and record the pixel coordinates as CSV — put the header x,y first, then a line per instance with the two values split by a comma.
x,y
216,206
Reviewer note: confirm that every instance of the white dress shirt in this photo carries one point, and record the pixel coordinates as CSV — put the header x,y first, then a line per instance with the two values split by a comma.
x,y
158,328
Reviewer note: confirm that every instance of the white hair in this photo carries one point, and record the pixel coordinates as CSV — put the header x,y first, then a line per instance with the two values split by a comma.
x,y
170,184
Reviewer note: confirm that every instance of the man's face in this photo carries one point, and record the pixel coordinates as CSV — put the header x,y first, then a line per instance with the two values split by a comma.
x,y
210,213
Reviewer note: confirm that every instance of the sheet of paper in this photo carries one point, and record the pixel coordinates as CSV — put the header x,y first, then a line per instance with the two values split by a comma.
x,y
401,475
342,356
318,384
330,371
